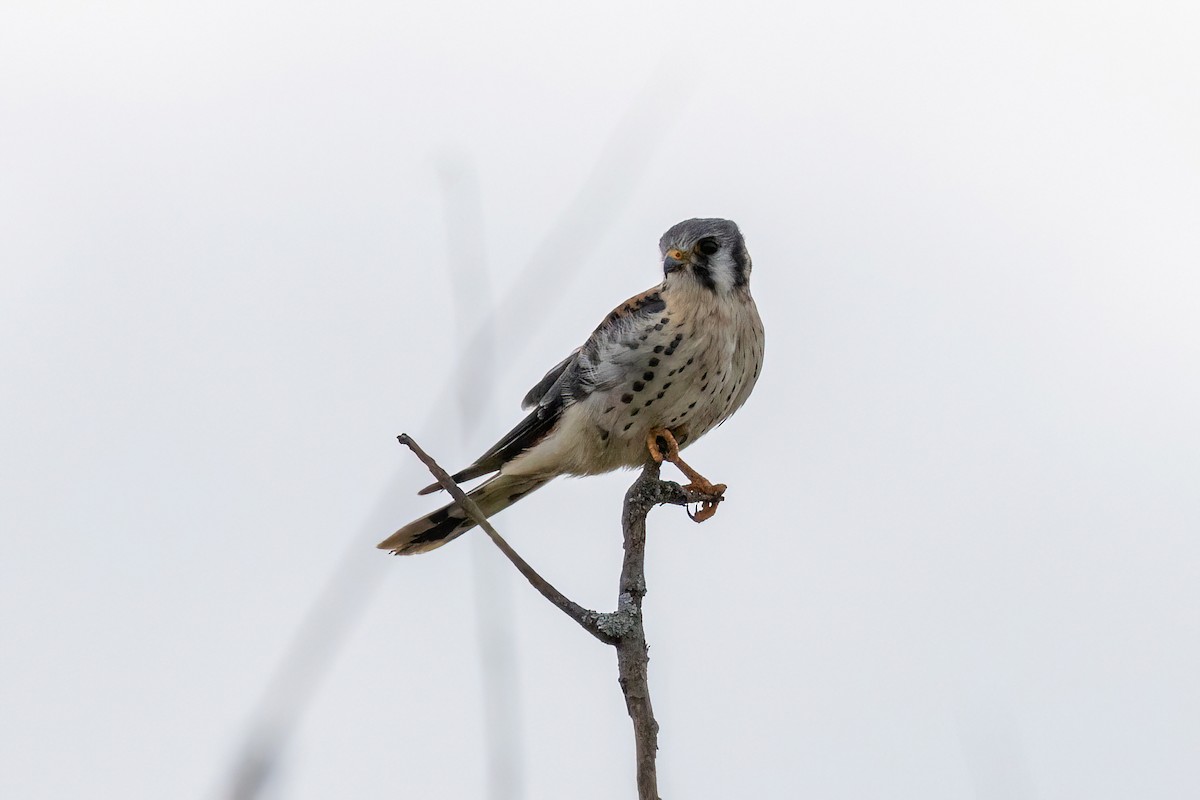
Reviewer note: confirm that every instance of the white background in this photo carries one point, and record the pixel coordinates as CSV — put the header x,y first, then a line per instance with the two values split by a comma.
x,y
960,552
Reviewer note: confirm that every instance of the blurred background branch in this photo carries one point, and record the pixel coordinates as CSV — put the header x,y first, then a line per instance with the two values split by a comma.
x,y
495,626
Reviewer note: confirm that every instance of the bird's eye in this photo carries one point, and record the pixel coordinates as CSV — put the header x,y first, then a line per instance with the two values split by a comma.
x,y
708,246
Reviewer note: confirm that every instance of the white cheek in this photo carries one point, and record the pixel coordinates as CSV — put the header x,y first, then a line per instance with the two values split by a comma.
x,y
723,272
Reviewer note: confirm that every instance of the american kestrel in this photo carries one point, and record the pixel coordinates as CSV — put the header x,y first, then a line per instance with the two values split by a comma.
x,y
664,368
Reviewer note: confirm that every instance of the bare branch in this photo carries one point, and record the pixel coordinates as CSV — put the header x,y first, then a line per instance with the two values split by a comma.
x,y
587,619
633,654
622,628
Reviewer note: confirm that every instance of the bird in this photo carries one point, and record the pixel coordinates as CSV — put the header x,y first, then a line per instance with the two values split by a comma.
x,y
664,368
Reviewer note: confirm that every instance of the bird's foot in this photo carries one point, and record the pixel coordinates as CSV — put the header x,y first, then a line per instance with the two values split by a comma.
x,y
671,453
699,483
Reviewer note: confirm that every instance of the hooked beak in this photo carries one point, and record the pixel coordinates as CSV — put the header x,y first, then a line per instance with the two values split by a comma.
x,y
674,261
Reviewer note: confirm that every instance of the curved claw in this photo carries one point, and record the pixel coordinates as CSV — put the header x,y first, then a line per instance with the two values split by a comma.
x,y
706,511
708,508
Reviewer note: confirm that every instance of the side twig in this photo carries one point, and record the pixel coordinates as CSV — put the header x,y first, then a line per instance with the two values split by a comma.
x,y
623,628
583,616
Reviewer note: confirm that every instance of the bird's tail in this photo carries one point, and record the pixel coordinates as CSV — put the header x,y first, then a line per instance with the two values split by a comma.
x,y
449,522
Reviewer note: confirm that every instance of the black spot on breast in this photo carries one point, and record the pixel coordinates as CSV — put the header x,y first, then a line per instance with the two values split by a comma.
x,y
702,388
658,327
664,320
610,408
667,385
704,377
634,413
653,362
626,398
627,427
730,397
632,345
674,420
642,338
672,372
638,386
648,402
684,414
649,376
692,404
689,361
603,435
659,396
659,348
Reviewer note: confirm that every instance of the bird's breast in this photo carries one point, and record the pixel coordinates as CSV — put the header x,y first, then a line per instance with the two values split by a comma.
x,y
687,374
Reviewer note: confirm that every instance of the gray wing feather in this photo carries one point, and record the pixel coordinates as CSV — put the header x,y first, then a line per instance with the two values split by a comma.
x,y
596,366
543,386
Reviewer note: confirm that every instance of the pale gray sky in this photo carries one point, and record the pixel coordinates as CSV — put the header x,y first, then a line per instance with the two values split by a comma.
x,y
960,556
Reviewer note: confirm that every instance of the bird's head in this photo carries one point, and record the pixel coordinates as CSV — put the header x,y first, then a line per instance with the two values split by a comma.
x,y
709,252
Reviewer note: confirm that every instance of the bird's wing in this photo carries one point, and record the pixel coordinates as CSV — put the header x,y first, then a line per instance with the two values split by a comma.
x,y
543,386
597,365
615,344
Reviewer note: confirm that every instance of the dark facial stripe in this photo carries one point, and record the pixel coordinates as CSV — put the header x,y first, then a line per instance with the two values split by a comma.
x,y
741,263
704,274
